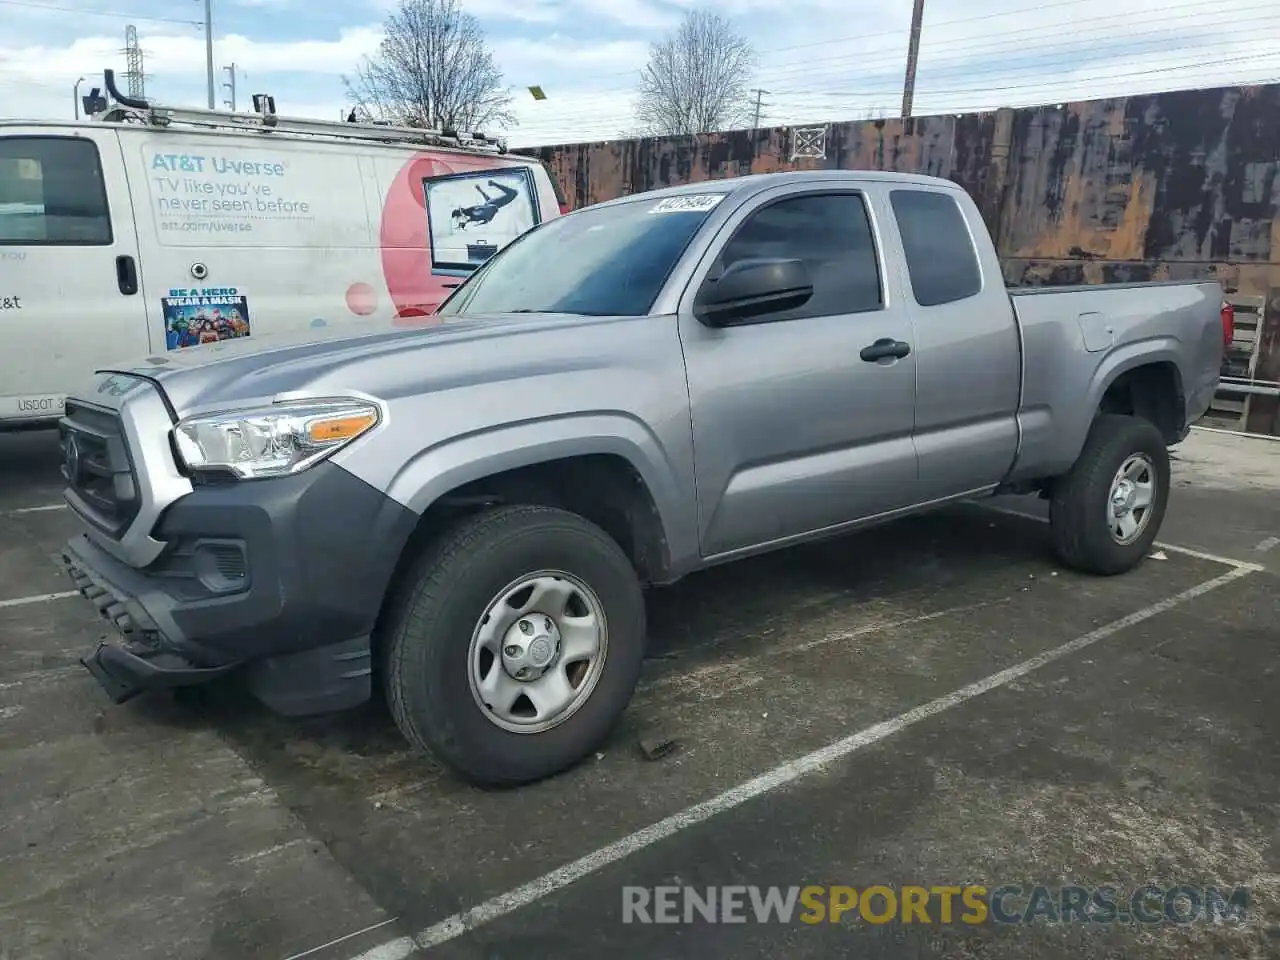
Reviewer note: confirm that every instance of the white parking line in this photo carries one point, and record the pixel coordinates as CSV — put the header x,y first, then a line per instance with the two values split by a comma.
x,y
1185,551
694,678
343,939
549,883
1265,545
38,598
269,851
47,675
42,509
1235,433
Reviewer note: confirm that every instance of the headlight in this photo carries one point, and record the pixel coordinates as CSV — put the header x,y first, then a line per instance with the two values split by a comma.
x,y
273,441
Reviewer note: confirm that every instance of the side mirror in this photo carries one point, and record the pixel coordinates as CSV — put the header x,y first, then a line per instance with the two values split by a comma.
x,y
752,288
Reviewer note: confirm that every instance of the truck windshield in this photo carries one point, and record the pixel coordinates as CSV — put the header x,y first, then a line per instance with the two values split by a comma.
x,y
605,261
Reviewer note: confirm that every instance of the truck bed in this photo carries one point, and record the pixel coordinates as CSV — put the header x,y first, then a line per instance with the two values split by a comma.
x,y
1074,338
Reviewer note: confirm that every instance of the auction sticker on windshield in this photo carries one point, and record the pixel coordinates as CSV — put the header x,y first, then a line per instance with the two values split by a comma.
x,y
698,203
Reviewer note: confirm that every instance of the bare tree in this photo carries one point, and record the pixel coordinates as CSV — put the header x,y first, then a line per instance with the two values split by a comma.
x,y
696,79
432,69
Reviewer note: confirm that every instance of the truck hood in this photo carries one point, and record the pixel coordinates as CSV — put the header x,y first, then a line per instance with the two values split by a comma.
x,y
384,360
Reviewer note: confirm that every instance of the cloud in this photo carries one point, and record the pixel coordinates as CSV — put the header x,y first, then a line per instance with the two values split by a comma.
x,y
530,56
174,53
533,11
637,14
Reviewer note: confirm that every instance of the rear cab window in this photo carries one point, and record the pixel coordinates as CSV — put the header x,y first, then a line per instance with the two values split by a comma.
x,y
52,192
942,262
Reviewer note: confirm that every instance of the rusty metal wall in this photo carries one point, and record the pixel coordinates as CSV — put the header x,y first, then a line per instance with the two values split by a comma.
x,y
1175,185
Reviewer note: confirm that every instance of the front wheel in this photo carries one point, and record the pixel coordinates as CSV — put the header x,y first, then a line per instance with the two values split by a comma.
x,y
1106,512
515,645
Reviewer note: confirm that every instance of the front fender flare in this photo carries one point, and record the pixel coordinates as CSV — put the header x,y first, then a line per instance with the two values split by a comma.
x,y
435,471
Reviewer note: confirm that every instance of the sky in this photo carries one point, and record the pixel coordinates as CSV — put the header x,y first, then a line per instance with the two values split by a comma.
x,y
819,60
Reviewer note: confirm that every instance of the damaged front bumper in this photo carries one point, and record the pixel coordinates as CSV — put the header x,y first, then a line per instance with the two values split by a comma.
x,y
279,582
140,658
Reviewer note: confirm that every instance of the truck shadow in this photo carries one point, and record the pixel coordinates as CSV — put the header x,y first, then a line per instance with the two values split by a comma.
x,y
29,468
734,610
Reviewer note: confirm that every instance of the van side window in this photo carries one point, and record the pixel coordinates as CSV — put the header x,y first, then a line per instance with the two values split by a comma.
x,y
52,192
831,233
941,260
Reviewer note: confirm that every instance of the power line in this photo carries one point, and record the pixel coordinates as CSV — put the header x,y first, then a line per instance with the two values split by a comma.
x,y
1036,65
116,15
1083,41
845,40
1231,16
1088,50
1171,68
1039,99
585,114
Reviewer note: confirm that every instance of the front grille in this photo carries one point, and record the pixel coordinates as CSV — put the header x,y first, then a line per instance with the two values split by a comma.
x,y
102,485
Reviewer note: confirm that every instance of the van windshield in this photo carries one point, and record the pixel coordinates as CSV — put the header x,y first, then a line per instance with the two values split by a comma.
x,y
599,261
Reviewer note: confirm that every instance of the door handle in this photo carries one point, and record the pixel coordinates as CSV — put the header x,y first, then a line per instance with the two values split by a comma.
x,y
127,275
884,349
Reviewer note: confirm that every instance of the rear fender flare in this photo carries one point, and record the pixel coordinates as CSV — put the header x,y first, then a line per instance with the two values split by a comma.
x,y
1117,363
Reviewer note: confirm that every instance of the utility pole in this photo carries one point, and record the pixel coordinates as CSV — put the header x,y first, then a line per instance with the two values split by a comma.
x,y
208,48
230,84
755,124
913,56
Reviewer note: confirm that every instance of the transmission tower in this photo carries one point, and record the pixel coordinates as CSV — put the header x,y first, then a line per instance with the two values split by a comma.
x,y
133,71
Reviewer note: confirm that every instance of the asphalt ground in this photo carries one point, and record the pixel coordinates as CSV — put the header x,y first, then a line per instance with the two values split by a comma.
x,y
935,702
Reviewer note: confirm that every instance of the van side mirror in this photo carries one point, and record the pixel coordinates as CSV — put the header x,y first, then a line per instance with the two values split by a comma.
x,y
753,288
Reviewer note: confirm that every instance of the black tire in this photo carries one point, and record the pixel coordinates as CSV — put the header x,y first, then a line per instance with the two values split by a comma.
x,y
1077,508
425,641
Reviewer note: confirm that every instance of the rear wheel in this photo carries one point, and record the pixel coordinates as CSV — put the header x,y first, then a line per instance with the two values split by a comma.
x,y
1106,512
515,645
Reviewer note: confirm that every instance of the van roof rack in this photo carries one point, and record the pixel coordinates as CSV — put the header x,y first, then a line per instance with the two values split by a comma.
x,y
265,120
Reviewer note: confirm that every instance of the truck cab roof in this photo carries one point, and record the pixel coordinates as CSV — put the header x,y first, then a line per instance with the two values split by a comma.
x,y
757,182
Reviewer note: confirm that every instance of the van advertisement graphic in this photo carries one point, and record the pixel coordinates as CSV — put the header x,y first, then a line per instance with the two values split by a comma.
x,y
249,197
204,315
355,234
473,215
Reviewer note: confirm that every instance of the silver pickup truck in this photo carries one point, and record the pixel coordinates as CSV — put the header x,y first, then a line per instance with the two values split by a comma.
x,y
465,515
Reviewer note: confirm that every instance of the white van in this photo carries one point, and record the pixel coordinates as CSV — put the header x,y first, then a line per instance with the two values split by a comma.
x,y
147,229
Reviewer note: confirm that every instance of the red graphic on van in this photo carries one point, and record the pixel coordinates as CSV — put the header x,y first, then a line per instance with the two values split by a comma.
x,y
406,243
362,299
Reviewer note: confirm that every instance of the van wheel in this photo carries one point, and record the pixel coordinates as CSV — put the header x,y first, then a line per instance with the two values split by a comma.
x,y
515,645
1106,512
